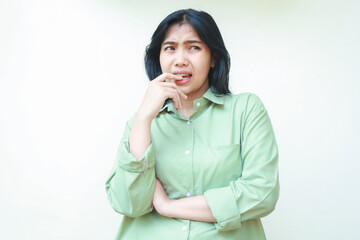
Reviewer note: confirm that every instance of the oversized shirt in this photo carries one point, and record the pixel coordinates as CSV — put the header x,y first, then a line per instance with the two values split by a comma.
x,y
226,150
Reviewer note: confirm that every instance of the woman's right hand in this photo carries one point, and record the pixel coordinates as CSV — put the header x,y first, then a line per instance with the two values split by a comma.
x,y
160,89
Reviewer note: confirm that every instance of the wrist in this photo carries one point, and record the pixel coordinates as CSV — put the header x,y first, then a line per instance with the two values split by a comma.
x,y
143,118
167,208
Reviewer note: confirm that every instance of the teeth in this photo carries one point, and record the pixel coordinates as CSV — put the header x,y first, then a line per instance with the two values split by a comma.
x,y
182,75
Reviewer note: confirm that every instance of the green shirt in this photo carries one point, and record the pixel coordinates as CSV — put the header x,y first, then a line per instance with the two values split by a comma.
x,y
225,151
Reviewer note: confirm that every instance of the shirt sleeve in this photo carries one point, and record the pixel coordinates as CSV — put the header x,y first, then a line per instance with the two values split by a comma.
x,y
255,193
130,187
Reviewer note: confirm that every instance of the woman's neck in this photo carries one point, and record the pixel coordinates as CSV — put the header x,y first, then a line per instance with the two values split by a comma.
x,y
187,108
188,104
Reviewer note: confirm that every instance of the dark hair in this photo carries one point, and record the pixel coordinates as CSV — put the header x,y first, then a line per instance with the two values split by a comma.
x,y
208,32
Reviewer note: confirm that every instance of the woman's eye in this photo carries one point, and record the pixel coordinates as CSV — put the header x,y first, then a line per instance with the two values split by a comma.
x,y
194,48
169,48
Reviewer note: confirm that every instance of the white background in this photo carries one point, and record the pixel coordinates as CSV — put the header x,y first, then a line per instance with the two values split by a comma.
x,y
71,74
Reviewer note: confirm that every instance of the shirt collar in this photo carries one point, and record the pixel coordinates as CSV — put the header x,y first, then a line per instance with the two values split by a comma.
x,y
169,105
214,97
208,95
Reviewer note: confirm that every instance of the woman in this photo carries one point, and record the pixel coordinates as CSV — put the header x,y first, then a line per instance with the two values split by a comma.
x,y
195,162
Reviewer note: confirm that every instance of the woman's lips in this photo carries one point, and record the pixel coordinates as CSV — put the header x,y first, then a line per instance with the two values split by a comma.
x,y
186,76
184,80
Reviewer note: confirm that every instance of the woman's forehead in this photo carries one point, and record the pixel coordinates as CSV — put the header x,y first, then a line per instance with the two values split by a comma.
x,y
181,31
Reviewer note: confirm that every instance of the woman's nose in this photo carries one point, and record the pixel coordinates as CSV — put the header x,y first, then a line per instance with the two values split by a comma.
x,y
181,59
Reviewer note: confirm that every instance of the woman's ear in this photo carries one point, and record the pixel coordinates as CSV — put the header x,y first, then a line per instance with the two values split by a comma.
x,y
213,61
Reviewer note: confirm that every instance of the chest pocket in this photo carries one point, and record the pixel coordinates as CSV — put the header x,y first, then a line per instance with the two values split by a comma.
x,y
221,165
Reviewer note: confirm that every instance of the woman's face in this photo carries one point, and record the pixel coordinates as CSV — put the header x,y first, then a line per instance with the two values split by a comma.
x,y
184,53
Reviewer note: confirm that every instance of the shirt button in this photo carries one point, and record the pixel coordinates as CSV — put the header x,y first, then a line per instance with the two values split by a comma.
x,y
188,122
188,194
184,228
198,104
187,152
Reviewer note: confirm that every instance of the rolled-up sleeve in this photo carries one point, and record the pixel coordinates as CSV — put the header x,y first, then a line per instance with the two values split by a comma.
x,y
255,193
130,186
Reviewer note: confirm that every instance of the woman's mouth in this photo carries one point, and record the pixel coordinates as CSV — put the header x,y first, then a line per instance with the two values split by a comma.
x,y
185,78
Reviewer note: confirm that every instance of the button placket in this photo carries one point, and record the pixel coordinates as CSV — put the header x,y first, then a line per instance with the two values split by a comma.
x,y
189,148
186,226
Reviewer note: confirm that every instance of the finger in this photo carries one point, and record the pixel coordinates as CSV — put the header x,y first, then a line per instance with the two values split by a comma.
x,y
170,76
167,76
181,93
170,92
174,95
177,94
176,99
173,85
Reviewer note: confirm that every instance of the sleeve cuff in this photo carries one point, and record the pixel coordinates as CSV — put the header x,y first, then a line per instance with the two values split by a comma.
x,y
224,208
128,162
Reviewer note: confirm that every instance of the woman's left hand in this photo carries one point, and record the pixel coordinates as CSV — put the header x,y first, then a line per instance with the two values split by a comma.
x,y
193,208
160,200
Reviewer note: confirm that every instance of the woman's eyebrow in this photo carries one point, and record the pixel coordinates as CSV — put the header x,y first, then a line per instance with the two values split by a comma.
x,y
169,43
193,41
186,42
